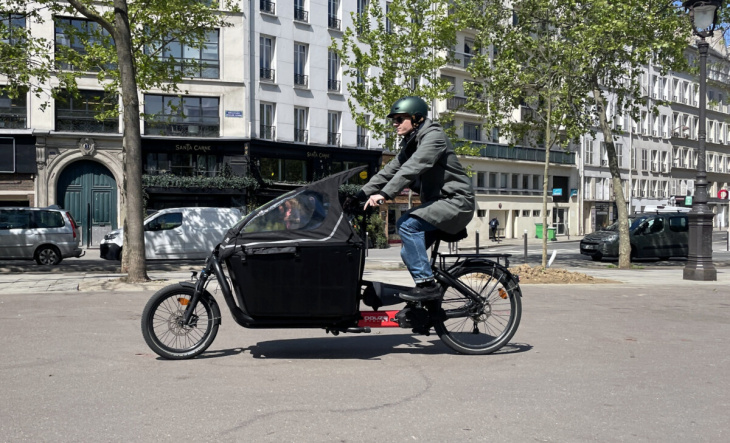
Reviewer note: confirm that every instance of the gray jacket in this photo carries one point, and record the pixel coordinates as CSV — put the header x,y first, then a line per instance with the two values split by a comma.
x,y
427,163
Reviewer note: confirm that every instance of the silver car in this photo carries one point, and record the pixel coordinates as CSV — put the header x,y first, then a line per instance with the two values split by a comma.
x,y
46,235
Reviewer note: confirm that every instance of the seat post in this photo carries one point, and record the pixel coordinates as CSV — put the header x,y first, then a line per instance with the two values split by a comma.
x,y
434,251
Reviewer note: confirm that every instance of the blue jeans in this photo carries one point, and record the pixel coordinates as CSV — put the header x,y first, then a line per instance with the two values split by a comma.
x,y
417,236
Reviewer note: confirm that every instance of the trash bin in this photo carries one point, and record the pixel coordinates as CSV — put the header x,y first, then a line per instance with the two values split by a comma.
x,y
538,230
551,234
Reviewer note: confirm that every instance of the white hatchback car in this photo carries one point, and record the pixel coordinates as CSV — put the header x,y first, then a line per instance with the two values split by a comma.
x,y
46,235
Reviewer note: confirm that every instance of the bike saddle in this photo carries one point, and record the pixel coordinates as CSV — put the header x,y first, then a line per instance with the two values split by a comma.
x,y
451,238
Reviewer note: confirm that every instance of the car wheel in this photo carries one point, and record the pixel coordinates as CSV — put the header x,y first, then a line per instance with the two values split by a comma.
x,y
48,255
596,257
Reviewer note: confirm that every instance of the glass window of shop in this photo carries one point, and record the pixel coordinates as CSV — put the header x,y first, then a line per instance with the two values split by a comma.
x,y
183,164
283,169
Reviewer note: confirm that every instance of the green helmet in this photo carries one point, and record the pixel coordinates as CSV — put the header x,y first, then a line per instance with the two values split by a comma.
x,y
414,106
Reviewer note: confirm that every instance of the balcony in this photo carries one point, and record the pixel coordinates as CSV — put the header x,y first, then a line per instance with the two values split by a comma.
x,y
301,80
333,138
301,15
493,150
13,120
459,59
301,135
267,74
333,85
363,141
268,7
267,132
333,23
457,104
188,129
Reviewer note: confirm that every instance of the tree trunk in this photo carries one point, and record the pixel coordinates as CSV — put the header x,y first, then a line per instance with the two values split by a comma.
x,y
546,182
133,260
624,248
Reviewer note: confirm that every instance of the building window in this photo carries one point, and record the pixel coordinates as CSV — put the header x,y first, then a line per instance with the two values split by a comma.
x,y
481,179
192,61
267,129
589,153
363,140
535,212
472,131
76,35
333,14
644,160
300,12
300,125
300,65
183,164
11,24
481,213
13,112
266,59
333,71
267,6
279,169
185,116
361,15
78,114
333,128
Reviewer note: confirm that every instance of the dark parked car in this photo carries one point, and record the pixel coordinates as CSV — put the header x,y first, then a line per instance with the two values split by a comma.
x,y
658,235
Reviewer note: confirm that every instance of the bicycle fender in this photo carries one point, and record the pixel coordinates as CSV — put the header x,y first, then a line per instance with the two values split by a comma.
x,y
513,280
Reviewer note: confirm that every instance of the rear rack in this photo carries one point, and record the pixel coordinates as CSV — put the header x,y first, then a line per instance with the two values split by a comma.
x,y
500,259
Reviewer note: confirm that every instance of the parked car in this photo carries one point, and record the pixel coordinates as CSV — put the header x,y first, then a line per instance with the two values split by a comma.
x,y
658,235
177,233
46,235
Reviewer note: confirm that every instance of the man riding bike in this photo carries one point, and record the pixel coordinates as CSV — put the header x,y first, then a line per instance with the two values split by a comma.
x,y
427,164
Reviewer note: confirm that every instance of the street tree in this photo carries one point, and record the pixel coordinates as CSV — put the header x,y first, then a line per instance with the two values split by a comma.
x,y
593,52
123,45
396,52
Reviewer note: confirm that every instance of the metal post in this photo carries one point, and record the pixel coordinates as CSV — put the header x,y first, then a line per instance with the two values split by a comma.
x,y
525,237
699,261
477,242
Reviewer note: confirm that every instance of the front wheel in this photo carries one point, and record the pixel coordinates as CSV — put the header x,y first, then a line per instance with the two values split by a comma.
x,y
164,331
48,255
485,321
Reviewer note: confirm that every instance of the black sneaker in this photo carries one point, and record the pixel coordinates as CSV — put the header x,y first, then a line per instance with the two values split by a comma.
x,y
429,290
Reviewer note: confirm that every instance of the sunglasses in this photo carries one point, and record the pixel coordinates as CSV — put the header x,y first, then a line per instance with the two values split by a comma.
x,y
398,120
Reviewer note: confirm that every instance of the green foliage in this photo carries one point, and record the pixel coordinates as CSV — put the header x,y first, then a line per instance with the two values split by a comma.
x,y
218,182
389,63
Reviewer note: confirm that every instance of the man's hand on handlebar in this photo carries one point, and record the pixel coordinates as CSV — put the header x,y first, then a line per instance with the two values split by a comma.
x,y
374,200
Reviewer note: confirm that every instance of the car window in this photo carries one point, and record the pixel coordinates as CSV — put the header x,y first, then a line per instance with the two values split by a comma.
x,y
47,219
678,224
165,222
303,211
14,219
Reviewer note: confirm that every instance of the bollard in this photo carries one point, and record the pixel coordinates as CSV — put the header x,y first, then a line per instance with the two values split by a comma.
x,y
366,244
525,237
477,242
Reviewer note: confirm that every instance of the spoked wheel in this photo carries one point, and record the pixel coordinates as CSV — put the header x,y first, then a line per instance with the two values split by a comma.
x,y
486,323
162,326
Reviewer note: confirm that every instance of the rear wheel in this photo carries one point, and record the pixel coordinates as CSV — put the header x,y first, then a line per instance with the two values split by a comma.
x,y
48,255
486,321
162,326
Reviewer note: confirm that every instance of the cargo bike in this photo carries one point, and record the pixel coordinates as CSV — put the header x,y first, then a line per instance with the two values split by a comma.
x,y
298,262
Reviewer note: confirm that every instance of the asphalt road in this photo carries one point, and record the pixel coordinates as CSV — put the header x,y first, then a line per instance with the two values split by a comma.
x,y
624,362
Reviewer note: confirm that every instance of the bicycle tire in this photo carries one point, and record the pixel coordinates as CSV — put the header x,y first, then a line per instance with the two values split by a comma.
x,y
161,326
469,330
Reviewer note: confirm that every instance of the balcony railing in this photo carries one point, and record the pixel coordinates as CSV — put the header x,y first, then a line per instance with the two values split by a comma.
x,y
333,138
267,132
191,129
84,122
492,150
13,120
333,22
267,74
459,59
301,135
268,6
301,80
362,141
301,15
333,85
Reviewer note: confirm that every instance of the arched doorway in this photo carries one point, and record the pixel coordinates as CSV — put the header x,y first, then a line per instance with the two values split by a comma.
x,y
88,190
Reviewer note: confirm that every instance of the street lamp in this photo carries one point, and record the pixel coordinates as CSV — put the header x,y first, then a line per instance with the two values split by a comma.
x,y
703,14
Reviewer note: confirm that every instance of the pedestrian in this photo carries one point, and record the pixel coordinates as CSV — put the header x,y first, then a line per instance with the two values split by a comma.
x,y
427,164
493,225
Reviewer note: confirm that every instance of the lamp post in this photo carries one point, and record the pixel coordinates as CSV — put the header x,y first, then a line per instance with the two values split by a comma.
x,y
703,14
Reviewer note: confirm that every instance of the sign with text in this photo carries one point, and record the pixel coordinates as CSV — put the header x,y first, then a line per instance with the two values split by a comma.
x,y
234,114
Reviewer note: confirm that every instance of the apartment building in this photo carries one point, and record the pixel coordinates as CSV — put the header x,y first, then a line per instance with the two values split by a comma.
x,y
270,101
658,153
